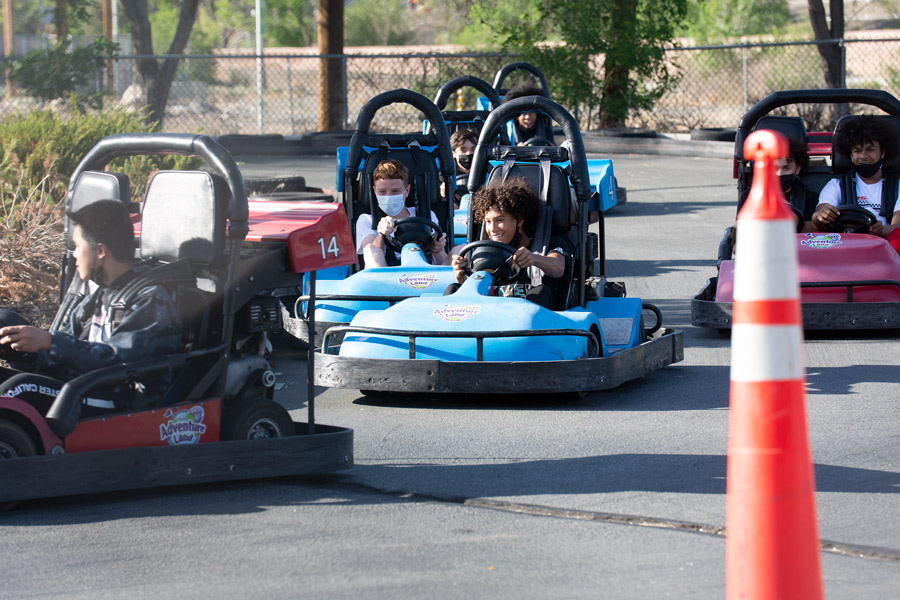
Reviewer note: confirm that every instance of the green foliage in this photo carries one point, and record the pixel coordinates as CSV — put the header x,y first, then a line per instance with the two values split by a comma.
x,y
42,146
563,38
716,21
58,72
291,23
378,23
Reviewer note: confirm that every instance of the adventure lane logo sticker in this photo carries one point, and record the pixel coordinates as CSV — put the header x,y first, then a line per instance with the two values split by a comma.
x,y
184,426
454,314
418,282
820,240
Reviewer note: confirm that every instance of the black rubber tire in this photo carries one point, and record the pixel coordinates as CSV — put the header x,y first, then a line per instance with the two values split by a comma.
x,y
14,443
714,134
253,417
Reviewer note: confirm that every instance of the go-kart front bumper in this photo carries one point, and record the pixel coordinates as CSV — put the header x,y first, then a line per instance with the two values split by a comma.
x,y
817,316
493,377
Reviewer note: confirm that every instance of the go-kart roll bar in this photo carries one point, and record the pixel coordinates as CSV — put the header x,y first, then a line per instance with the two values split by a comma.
x,y
479,336
426,106
877,98
443,94
202,146
505,70
214,155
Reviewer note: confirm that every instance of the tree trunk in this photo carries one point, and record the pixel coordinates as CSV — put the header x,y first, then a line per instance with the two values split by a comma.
x,y
331,41
613,109
154,79
830,52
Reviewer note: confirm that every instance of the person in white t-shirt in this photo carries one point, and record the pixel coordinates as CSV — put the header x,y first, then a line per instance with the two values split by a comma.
x,y
866,143
391,188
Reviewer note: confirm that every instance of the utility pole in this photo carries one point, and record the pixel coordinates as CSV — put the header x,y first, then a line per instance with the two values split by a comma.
x,y
9,40
331,42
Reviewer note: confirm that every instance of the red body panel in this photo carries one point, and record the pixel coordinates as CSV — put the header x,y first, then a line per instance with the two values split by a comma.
x,y
183,424
835,257
317,233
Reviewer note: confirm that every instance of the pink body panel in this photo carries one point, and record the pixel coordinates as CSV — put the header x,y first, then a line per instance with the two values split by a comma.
x,y
837,257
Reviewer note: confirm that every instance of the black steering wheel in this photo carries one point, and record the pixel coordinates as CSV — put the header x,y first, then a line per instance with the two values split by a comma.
x,y
412,230
494,258
853,219
538,141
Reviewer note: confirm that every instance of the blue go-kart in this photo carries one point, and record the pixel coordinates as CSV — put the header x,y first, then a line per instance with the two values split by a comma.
x,y
475,342
428,157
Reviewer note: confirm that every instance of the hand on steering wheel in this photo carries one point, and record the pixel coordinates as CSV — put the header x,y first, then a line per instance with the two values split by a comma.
x,y
395,241
495,258
852,219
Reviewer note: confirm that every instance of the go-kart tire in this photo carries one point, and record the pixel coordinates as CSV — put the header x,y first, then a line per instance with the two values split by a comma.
x,y
14,443
253,418
714,134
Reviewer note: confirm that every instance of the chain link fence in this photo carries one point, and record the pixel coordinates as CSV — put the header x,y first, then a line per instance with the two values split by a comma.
x,y
237,93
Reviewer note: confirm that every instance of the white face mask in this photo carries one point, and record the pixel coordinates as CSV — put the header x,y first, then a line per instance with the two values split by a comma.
x,y
391,205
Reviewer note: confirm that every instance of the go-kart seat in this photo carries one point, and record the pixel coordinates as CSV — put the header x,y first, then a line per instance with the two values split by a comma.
x,y
90,187
424,180
842,165
183,236
557,214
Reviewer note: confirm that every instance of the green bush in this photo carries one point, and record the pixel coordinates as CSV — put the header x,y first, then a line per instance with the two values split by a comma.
x,y
44,146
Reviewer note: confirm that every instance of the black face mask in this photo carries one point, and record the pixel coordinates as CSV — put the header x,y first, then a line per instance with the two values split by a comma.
x,y
868,170
465,161
787,181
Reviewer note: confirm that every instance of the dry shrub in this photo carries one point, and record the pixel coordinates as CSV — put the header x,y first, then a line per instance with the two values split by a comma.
x,y
31,245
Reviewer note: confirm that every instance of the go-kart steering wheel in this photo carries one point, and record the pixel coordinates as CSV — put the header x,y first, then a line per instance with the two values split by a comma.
x,y
853,219
539,141
412,235
493,257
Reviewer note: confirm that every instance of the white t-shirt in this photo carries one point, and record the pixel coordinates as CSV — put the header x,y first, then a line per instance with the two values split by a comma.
x,y
364,227
868,196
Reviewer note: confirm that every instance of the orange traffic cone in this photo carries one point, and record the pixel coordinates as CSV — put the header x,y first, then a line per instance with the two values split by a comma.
x,y
772,540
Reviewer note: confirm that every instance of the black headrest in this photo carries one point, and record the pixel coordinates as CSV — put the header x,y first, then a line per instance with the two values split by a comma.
x,y
422,169
841,162
559,196
792,128
97,185
184,217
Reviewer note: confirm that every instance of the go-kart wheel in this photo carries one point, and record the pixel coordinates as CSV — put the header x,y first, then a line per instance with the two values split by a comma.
x,y
494,258
252,418
539,141
400,238
14,443
852,219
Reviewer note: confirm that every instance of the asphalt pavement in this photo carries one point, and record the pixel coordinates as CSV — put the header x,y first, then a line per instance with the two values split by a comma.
x,y
617,495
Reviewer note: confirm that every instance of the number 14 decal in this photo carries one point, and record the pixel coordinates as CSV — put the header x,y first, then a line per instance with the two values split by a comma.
x,y
331,249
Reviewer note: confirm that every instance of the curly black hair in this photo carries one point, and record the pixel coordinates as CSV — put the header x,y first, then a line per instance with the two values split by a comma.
x,y
513,196
861,129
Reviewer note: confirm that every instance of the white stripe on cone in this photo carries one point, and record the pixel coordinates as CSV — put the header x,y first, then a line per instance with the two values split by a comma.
x,y
767,254
782,359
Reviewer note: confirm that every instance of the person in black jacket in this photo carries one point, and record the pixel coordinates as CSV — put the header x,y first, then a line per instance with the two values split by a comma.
x,y
102,330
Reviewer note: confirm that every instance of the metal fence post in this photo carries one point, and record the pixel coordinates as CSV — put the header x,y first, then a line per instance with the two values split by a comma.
x,y
843,48
290,95
344,111
745,78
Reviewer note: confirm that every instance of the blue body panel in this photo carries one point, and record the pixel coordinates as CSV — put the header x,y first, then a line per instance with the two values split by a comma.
x,y
470,309
413,277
